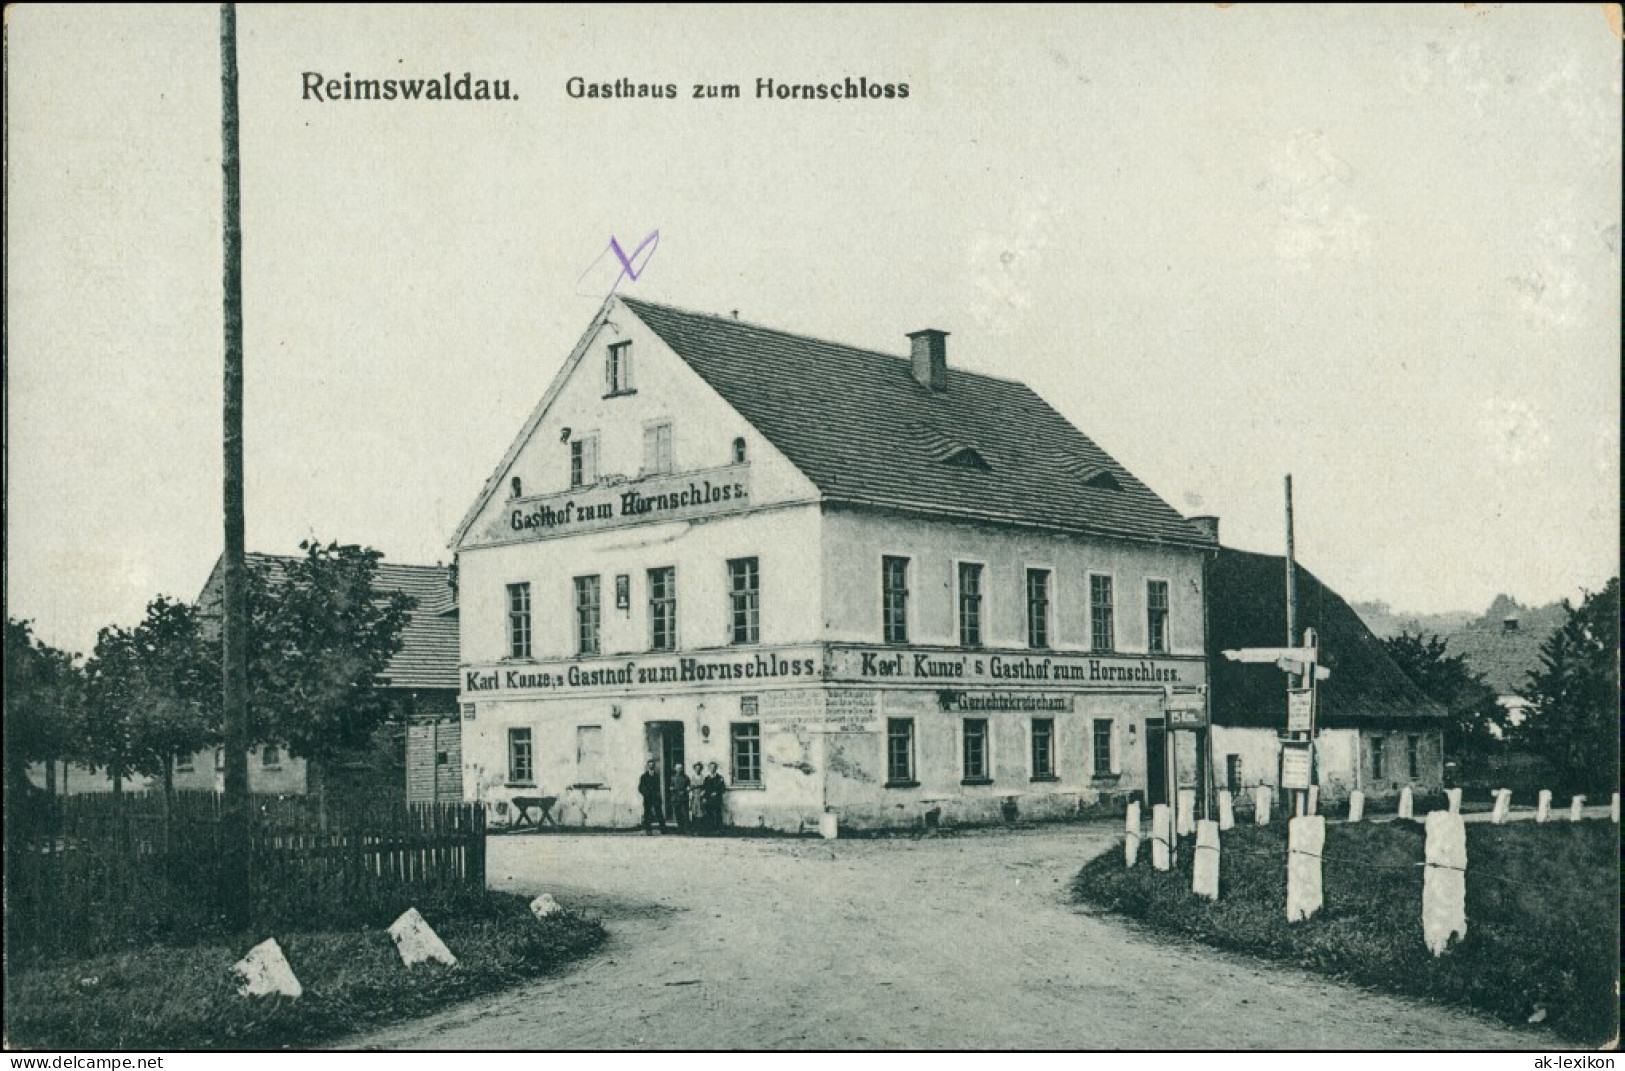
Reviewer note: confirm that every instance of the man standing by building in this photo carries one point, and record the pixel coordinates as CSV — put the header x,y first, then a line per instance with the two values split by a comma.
x,y
649,789
712,790
677,793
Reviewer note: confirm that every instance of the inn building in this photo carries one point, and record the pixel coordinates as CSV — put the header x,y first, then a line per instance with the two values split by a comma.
x,y
865,584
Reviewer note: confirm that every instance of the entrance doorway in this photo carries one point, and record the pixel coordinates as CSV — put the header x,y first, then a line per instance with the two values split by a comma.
x,y
1156,763
665,742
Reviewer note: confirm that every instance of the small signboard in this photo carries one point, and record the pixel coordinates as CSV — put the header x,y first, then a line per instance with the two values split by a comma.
x,y
1295,765
1186,710
1300,710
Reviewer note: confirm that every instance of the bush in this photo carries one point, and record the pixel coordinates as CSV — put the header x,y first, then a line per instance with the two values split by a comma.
x,y
1542,915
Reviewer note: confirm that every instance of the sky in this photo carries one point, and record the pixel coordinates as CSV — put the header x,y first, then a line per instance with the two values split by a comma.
x,y
1376,249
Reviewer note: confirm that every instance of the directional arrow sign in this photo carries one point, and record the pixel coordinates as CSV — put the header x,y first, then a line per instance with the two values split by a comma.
x,y
1273,654
1292,665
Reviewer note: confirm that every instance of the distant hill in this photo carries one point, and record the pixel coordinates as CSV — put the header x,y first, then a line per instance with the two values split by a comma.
x,y
1502,643
1385,621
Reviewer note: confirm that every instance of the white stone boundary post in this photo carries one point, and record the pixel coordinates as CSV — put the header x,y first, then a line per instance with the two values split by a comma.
x,y
1205,863
1503,806
1131,834
264,972
417,942
1453,800
1305,839
1444,881
1314,799
1261,805
1227,811
1162,834
1185,820
1407,805
1356,806
1543,805
1577,807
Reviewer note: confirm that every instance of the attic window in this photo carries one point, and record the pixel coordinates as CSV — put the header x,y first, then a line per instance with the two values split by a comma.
x,y
739,451
517,487
618,369
967,458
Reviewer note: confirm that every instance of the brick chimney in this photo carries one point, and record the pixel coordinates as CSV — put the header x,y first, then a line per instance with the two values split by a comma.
x,y
1208,525
930,355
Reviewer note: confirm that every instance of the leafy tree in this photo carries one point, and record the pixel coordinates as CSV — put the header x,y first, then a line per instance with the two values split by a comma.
x,y
1475,716
1572,720
320,638
44,706
154,693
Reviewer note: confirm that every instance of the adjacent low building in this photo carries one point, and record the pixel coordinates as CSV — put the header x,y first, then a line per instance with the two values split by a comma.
x,y
1378,731
859,583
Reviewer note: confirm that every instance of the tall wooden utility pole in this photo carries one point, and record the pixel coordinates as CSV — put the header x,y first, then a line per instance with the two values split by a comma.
x,y
236,857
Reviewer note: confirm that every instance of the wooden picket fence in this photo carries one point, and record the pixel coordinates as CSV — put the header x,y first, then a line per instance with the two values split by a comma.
x,y
94,871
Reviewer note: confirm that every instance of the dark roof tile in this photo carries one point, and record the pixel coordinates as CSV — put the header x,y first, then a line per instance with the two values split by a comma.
x,y
859,425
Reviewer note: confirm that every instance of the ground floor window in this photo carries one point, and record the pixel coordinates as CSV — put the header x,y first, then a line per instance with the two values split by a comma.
x,y
900,751
1043,749
270,757
1377,771
589,754
521,768
747,753
1103,746
974,732
1232,772
1413,757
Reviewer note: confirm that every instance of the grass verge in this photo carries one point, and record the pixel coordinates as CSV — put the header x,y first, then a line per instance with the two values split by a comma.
x,y
1542,915
184,997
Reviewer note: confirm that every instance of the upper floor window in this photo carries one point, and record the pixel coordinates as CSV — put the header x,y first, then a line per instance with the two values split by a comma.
x,y
618,368
1102,636
894,599
1156,616
519,620
1038,608
744,601
970,604
588,614
584,461
739,451
657,447
663,609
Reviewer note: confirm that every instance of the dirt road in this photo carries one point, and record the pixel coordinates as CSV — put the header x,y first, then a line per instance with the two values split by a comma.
x,y
956,942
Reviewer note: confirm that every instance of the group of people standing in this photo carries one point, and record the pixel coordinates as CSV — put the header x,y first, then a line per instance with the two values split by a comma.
x,y
696,801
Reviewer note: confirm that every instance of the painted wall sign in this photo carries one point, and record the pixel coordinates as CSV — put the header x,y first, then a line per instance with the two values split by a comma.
x,y
615,505
995,702
648,674
1009,669
1300,710
1295,765
821,711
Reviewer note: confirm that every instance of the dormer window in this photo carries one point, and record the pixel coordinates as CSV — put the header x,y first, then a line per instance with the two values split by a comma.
x,y
967,458
1096,476
739,451
618,369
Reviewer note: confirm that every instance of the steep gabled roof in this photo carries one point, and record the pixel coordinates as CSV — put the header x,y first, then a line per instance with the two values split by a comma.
x,y
429,651
858,424
1247,608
